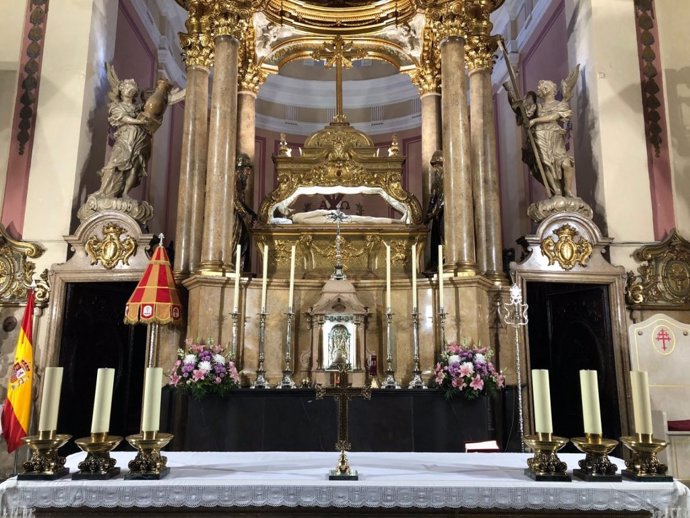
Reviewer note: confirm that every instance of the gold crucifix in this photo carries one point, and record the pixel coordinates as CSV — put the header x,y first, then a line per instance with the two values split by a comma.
x,y
343,394
338,54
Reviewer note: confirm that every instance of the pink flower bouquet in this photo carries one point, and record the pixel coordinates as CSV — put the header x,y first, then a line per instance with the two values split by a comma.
x,y
467,371
202,370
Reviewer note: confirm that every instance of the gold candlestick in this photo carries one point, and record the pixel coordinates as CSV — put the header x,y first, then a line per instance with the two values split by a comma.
x,y
45,463
644,465
596,466
149,464
545,466
98,464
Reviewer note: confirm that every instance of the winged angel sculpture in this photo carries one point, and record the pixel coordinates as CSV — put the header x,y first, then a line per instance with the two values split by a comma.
x,y
547,124
135,117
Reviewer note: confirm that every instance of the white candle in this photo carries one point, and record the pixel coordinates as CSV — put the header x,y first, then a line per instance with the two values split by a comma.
x,y
388,276
50,399
541,396
414,276
236,295
102,401
642,409
291,292
440,276
151,413
591,414
264,279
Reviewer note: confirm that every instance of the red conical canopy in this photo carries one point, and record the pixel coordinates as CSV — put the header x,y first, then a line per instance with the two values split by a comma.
x,y
155,299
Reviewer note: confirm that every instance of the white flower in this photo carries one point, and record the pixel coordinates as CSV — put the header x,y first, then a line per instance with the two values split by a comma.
x,y
205,366
453,360
219,358
479,358
189,358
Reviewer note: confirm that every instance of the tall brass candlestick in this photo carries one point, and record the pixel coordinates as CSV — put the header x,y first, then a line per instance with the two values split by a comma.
x,y
416,382
287,382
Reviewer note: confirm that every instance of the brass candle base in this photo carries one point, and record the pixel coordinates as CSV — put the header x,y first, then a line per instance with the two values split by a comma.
x,y
98,464
644,465
343,471
596,466
45,463
148,464
545,466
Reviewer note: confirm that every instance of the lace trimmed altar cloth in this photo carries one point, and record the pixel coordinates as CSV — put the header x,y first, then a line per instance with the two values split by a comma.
x,y
387,480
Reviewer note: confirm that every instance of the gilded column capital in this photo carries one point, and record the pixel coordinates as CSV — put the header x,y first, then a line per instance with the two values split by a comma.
x,y
230,17
480,45
449,20
197,42
427,75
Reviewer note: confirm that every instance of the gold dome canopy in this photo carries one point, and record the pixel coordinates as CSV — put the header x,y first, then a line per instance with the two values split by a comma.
x,y
340,16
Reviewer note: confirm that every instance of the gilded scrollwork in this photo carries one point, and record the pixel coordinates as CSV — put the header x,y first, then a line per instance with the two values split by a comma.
x,y
664,278
566,251
426,76
112,249
42,288
16,271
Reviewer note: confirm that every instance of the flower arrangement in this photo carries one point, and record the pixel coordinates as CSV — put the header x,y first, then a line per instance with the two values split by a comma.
x,y
202,370
466,370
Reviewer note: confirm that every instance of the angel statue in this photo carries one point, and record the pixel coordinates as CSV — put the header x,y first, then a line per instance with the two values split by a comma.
x,y
134,124
546,124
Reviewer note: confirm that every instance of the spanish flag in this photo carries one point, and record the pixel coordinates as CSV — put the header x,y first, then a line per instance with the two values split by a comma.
x,y
17,410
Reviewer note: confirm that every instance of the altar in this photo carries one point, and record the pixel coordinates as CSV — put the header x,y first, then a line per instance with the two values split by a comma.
x,y
296,484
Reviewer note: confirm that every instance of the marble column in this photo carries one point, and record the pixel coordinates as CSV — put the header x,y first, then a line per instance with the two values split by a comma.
x,y
431,140
458,224
246,136
220,178
192,172
485,178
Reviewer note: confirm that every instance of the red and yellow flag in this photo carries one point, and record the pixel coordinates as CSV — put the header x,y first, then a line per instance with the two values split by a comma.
x,y
17,410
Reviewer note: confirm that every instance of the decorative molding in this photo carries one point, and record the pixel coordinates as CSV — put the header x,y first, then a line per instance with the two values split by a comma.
x,y
30,78
664,278
16,271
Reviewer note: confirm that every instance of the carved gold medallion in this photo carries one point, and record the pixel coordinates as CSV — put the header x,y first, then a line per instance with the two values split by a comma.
x,y
111,249
566,251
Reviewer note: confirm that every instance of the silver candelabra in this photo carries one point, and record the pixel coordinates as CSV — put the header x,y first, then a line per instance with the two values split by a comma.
x,y
287,382
417,382
260,381
390,382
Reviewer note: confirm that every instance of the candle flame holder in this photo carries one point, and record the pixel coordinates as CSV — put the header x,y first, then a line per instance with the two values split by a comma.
x,y
416,382
98,464
596,466
545,466
644,466
287,382
45,463
148,464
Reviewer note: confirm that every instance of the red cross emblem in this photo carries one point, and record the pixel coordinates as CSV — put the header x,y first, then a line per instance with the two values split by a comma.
x,y
663,339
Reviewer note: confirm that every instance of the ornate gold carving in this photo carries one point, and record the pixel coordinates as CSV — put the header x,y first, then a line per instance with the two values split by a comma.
x,y
427,75
340,17
16,272
480,45
42,288
111,249
451,18
566,251
665,278
197,42
335,156
250,75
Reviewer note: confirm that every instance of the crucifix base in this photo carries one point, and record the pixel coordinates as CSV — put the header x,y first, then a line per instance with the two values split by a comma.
x,y
342,471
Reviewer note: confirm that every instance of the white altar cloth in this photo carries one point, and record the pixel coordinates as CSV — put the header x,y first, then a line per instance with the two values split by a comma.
x,y
406,480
